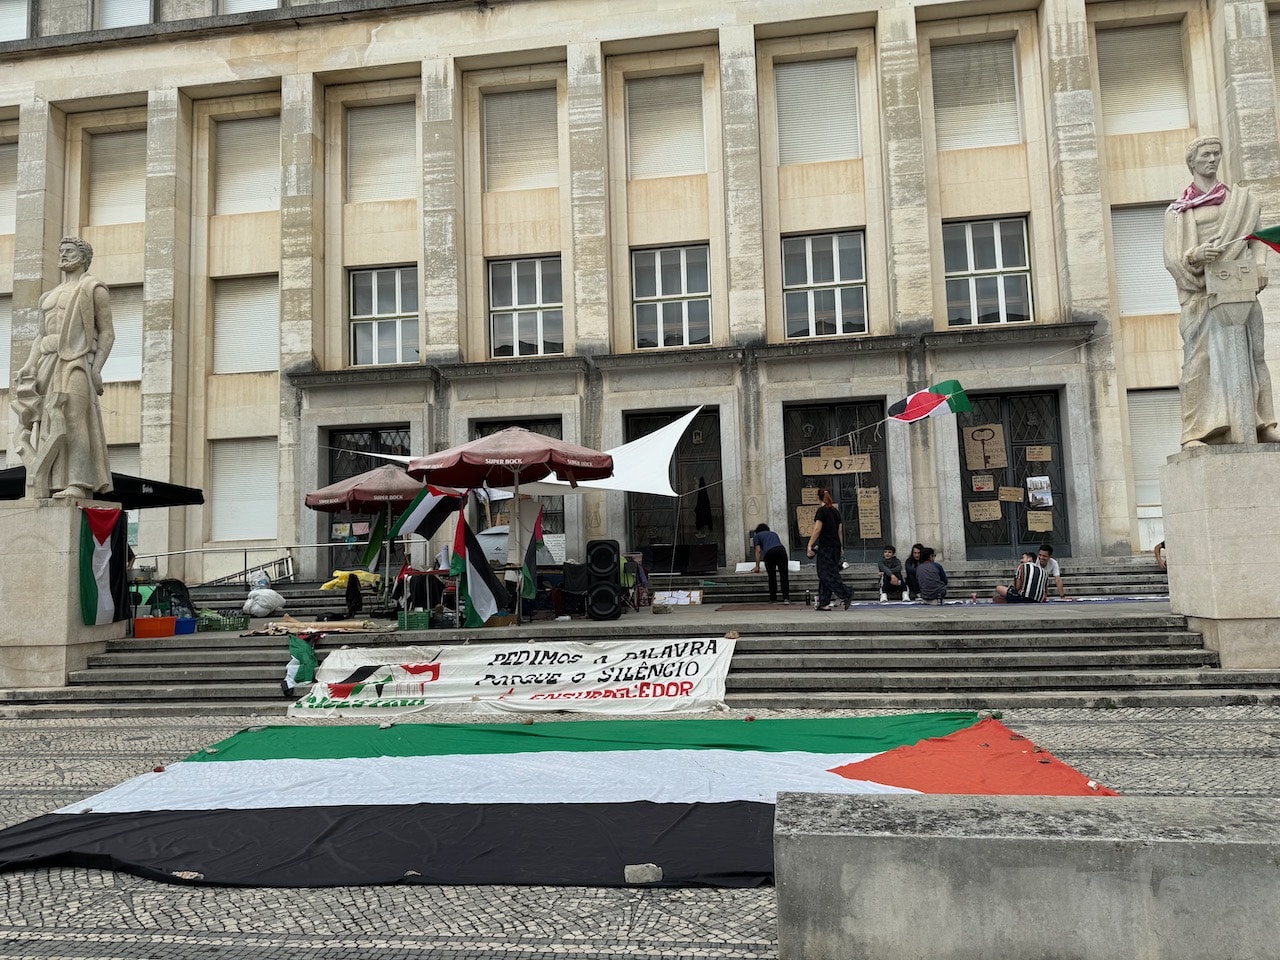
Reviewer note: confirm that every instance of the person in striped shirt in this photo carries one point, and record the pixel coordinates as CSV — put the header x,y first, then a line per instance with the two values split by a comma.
x,y
1029,583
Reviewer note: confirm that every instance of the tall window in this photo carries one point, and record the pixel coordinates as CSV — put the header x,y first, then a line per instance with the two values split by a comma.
x,y
664,126
1155,434
988,272
817,110
526,307
13,19
8,187
382,152
671,291
1142,81
122,13
824,289
384,316
124,363
975,95
6,338
246,162
117,177
521,140
244,489
1143,286
1273,23
246,324
126,458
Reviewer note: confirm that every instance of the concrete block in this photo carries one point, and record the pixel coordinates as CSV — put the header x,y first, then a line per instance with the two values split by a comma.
x,y
911,877
42,637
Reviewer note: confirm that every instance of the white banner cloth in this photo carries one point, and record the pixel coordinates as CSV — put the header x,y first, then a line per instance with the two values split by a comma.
x,y
623,677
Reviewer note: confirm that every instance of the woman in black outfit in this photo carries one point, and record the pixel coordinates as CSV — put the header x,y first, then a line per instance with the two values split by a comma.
x,y
909,565
828,538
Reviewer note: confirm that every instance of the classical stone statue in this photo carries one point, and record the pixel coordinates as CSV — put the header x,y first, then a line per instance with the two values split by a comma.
x,y
60,433
1226,389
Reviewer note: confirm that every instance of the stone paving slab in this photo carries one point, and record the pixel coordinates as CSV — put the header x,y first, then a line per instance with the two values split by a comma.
x,y
94,915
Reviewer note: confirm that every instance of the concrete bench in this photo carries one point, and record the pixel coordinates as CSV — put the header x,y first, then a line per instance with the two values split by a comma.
x,y
1015,878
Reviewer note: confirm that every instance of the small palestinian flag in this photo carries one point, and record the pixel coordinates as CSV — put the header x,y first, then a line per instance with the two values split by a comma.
x,y
561,803
479,590
1269,235
104,549
529,572
426,513
939,400
377,537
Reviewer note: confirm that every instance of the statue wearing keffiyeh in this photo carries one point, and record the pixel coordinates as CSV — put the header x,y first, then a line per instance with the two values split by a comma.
x,y
1219,270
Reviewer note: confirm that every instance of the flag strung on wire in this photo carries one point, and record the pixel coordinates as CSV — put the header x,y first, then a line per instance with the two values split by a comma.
x,y
377,537
939,400
426,513
529,572
1268,235
104,547
478,589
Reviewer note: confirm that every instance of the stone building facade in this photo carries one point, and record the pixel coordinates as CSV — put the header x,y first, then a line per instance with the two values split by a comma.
x,y
350,226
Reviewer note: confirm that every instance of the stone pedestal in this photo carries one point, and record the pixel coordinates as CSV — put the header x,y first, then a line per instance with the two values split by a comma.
x,y
42,637
1221,523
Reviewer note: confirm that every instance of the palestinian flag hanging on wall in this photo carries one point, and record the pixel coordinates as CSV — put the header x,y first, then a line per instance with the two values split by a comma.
x,y
939,400
548,803
104,551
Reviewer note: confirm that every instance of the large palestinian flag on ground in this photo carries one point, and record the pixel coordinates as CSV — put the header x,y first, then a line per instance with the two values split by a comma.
x,y
570,803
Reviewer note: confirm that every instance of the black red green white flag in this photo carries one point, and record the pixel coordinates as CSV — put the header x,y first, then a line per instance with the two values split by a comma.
x,y
478,588
104,549
939,400
568,803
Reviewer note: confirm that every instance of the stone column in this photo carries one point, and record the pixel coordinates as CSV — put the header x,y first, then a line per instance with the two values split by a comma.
x,y
442,212
166,342
744,245
1079,224
907,232
1238,29
588,198
302,307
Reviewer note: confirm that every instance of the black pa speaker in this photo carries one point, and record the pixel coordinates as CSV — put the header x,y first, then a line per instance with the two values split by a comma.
x,y
604,580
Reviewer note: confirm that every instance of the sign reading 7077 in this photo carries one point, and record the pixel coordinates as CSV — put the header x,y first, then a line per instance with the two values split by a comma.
x,y
831,466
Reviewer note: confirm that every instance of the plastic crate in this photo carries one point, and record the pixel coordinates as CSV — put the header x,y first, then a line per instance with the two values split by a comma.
x,y
210,621
154,626
414,620
185,625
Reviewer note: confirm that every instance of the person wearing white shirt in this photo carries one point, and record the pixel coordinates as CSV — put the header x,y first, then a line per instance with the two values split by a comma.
x,y
1051,568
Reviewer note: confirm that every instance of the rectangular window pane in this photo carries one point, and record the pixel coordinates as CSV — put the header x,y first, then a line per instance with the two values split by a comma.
x,y
796,308
988,293
553,331
13,19
246,162
388,342
955,248
117,177
1017,297
664,126
386,285
526,282
527,332
670,273
959,309
244,481
975,95
646,324
699,322
500,284
853,309
8,186
362,343
409,352
1142,79
817,110
124,363
382,153
246,324
1013,246
795,264
824,312
983,237
123,13
697,279
551,290
673,323
824,265
521,140
503,339
362,294
409,290
1143,285
851,266
644,271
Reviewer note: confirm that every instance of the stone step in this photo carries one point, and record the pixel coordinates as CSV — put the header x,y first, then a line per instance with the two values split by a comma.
x,y
1009,680
231,671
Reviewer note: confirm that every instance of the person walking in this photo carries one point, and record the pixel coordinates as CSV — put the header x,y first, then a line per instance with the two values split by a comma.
x,y
826,543
769,549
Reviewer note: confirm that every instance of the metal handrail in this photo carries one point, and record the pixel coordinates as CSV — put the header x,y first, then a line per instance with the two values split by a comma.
x,y
243,575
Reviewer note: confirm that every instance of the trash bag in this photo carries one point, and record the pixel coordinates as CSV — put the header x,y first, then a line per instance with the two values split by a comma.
x,y
263,602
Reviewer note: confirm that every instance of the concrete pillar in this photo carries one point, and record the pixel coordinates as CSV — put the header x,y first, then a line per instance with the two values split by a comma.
x,y
302,308
42,152
1080,221
588,198
1240,35
907,232
744,244
166,341
444,287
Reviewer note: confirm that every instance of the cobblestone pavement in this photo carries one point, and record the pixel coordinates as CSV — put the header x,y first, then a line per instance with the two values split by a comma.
x,y
44,764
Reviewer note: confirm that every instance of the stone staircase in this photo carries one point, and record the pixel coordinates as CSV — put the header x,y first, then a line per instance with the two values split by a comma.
x,y
970,658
